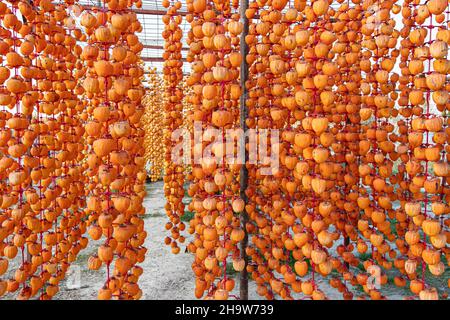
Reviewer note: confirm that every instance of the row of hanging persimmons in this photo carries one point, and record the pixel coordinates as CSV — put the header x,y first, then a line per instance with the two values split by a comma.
x,y
155,123
71,149
359,93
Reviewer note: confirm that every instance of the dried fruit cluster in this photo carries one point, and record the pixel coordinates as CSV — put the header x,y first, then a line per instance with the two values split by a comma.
x,y
360,102
213,184
356,152
173,113
42,188
115,164
71,145
153,125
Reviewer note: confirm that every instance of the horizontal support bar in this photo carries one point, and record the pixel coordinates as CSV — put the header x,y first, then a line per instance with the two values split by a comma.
x,y
150,46
154,12
156,59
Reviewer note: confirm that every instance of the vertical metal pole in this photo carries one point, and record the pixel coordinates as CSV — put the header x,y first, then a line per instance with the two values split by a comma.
x,y
243,176
346,243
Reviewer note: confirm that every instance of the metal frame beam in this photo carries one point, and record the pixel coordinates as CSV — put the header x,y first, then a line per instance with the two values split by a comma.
x,y
156,59
154,12
151,46
243,174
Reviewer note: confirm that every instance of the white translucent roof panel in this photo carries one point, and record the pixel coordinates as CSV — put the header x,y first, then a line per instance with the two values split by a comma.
x,y
151,36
